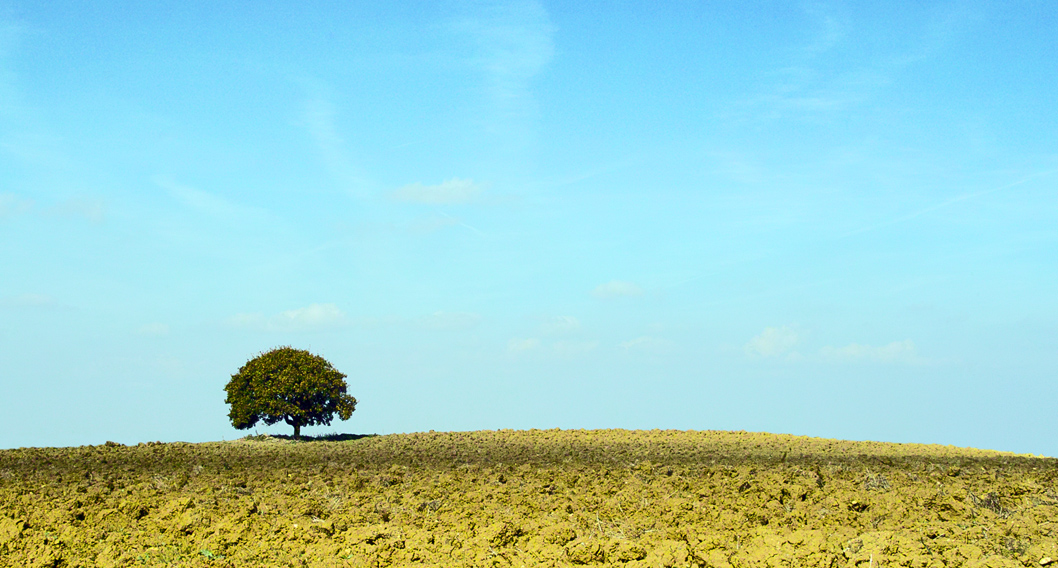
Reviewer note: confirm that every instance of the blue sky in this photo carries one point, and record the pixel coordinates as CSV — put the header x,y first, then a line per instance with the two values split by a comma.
x,y
822,218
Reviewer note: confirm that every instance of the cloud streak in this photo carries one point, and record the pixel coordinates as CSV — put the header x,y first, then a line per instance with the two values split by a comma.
x,y
205,202
807,86
448,192
319,120
949,203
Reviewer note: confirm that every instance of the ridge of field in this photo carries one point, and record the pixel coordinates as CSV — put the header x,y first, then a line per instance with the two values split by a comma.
x,y
656,498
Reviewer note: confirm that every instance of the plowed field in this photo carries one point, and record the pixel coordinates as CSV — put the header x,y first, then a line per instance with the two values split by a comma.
x,y
528,498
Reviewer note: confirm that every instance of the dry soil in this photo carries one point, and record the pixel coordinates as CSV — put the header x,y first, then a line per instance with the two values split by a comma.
x,y
528,498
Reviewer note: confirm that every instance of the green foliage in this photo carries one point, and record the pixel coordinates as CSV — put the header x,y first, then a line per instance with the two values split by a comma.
x,y
288,385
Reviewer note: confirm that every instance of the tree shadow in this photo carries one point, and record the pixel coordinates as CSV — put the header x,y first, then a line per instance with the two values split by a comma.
x,y
334,437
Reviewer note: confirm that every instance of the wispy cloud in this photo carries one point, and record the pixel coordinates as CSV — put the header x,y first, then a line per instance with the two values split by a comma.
x,y
154,329
647,344
94,210
205,202
23,135
319,120
10,34
826,75
738,167
565,348
450,191
802,93
617,289
314,317
814,82
515,43
31,144
895,352
519,345
91,209
437,222
559,324
28,301
12,205
773,342
831,28
781,343
950,202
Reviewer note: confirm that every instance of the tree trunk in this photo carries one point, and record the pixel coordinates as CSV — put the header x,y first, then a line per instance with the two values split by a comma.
x,y
297,431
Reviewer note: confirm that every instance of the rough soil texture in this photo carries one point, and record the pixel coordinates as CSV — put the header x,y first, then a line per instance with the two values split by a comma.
x,y
528,498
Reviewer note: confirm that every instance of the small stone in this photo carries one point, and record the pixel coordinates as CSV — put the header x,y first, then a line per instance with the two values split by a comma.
x,y
1046,560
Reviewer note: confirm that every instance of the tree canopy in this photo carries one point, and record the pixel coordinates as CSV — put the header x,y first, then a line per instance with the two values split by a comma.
x,y
288,385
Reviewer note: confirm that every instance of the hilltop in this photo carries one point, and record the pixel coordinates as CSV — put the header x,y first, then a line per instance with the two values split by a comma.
x,y
533,498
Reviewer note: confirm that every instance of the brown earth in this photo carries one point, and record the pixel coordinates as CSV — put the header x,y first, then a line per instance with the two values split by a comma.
x,y
528,498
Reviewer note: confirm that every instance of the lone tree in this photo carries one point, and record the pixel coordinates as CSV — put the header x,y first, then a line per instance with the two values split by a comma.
x,y
289,385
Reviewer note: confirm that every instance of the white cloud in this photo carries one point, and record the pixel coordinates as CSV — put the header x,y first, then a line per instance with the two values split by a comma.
x,y
773,342
518,345
154,329
561,348
895,352
647,344
450,191
573,348
314,317
560,324
11,205
616,289
449,321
